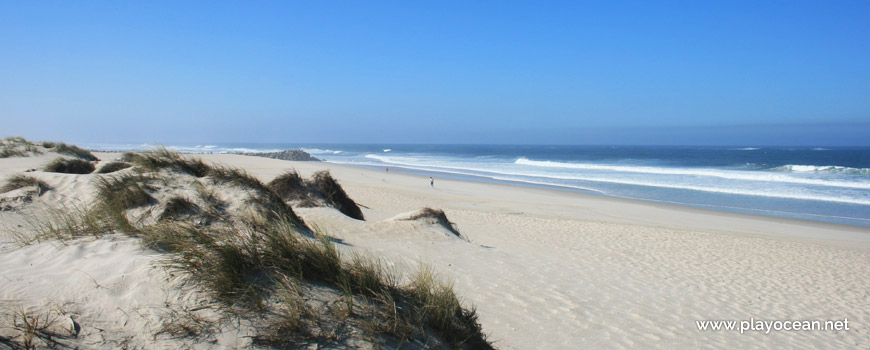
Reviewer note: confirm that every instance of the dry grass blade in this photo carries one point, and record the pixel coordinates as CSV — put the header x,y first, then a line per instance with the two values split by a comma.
x,y
185,323
36,330
68,223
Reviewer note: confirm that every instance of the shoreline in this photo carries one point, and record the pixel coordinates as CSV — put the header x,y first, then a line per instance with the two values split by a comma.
x,y
757,225
798,208
592,192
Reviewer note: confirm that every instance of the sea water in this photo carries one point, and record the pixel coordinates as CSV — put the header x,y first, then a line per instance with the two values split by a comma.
x,y
829,184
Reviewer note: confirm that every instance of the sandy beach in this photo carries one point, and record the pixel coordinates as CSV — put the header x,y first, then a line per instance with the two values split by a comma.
x,y
545,269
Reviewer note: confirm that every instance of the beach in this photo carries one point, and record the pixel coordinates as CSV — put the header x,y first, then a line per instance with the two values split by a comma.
x,y
557,269
545,269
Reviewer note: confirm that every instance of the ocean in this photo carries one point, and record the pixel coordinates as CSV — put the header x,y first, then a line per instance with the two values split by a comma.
x,y
828,184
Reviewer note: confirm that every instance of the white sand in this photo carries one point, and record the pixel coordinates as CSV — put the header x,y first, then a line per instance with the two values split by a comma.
x,y
546,269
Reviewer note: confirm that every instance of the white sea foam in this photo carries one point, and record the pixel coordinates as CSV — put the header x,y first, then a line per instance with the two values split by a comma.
x,y
215,149
474,172
756,190
831,169
724,174
320,151
747,149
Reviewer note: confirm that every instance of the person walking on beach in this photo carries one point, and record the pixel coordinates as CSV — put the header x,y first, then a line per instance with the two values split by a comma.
x,y
431,182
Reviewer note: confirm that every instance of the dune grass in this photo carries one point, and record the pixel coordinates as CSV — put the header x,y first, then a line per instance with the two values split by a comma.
x,y
113,167
68,223
178,207
335,195
187,324
163,158
17,181
35,329
11,152
75,151
69,166
16,146
243,269
260,266
290,185
321,187
268,203
125,191
14,140
438,216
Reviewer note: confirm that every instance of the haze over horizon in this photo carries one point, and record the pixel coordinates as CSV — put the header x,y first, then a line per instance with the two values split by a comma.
x,y
729,73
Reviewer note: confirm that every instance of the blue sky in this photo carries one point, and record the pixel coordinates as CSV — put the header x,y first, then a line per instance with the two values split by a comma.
x,y
691,72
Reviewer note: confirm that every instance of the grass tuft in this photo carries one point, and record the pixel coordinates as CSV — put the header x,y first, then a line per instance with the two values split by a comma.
x,y
321,190
438,216
69,166
16,146
267,202
113,167
69,223
75,151
15,182
293,315
11,152
335,195
163,158
177,207
290,186
438,307
125,191
187,324
36,329
14,140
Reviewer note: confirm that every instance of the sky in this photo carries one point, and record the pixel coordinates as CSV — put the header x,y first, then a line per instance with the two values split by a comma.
x,y
536,72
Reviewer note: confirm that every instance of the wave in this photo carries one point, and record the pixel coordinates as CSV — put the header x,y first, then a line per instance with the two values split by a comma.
x,y
828,169
321,151
723,174
215,149
457,171
499,174
194,149
747,149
